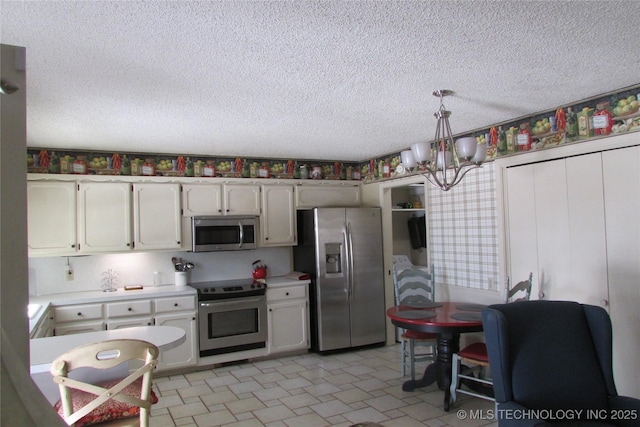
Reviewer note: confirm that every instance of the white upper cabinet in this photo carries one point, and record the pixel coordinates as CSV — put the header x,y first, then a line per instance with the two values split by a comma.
x,y
220,199
241,199
278,220
51,217
201,199
104,217
327,195
157,222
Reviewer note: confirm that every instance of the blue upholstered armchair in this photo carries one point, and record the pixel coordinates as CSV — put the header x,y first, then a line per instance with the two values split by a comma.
x,y
551,365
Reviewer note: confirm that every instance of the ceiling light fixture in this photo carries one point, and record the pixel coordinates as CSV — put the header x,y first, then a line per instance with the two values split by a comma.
x,y
443,162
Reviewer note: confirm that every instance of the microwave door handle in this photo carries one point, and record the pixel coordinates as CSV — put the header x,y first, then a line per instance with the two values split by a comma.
x,y
241,234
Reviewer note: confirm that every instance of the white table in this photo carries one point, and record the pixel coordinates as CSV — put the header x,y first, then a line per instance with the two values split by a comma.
x,y
45,350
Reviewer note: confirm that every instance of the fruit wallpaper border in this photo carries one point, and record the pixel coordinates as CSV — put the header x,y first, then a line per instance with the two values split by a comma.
x,y
615,113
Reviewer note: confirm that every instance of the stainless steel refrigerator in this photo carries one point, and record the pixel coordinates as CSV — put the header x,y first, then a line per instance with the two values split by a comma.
x,y
341,248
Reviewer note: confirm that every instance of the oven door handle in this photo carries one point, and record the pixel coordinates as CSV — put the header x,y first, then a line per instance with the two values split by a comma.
x,y
226,302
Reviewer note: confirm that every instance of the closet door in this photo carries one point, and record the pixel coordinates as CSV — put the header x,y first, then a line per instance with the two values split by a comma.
x,y
521,233
621,170
587,263
552,230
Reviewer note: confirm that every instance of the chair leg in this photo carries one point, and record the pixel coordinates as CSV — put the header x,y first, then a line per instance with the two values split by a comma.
x,y
455,369
411,357
403,348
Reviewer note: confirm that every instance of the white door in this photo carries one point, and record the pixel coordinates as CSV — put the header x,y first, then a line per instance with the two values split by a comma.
x,y
51,212
241,199
157,222
201,199
552,228
104,217
587,265
522,240
278,220
186,353
287,325
621,173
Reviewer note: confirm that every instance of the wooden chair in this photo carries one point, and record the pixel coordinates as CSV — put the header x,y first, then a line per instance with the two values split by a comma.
x,y
121,399
476,354
415,286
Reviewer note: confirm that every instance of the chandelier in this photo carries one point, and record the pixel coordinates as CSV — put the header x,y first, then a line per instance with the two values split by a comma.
x,y
443,162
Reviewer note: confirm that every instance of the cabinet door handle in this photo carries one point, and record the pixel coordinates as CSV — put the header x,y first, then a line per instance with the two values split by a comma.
x,y
287,294
79,314
175,304
130,309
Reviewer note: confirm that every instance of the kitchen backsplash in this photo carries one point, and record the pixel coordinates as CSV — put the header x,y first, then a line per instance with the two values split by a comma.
x,y
613,113
48,275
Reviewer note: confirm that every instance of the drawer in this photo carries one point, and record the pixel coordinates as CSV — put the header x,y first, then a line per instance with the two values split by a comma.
x,y
292,292
167,305
70,313
128,308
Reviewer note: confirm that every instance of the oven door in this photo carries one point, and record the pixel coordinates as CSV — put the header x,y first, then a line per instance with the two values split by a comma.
x,y
231,325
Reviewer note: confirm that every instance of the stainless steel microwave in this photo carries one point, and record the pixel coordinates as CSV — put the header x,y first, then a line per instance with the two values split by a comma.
x,y
223,233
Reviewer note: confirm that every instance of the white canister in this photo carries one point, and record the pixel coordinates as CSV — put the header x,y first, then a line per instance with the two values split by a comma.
x,y
181,278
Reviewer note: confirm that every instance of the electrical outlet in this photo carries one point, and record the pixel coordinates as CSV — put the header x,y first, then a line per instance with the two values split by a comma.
x,y
69,274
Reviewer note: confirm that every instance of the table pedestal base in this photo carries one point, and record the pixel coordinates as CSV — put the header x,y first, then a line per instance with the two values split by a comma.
x,y
440,370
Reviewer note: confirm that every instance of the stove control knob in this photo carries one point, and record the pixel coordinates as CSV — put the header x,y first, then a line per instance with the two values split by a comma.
x,y
253,286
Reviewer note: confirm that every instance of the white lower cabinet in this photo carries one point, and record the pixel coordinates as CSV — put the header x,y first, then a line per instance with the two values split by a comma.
x,y
78,327
44,328
179,311
187,353
288,319
129,322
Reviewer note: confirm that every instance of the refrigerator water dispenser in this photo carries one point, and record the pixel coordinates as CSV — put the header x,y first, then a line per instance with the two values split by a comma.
x,y
332,260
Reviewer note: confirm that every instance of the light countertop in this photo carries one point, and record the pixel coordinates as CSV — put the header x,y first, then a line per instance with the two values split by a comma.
x,y
88,297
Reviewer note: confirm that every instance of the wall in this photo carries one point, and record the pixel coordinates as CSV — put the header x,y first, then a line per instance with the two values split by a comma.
x,y
21,402
47,275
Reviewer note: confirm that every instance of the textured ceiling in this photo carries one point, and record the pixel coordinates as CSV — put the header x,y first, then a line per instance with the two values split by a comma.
x,y
345,80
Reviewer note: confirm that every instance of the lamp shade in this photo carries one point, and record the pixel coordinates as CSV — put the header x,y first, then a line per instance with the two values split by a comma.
x,y
407,159
421,151
466,147
444,157
481,154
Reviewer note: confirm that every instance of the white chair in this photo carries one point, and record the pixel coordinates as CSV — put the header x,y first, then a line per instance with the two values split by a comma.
x,y
414,286
120,399
476,354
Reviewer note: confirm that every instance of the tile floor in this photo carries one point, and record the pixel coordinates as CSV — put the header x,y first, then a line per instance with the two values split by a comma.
x,y
310,390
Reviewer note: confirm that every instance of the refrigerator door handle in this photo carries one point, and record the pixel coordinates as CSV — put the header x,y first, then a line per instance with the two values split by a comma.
x,y
350,261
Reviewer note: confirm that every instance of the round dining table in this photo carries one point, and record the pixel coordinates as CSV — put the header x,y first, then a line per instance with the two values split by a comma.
x,y
448,320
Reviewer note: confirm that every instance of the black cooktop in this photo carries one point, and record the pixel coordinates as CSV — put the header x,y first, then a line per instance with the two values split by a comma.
x,y
223,289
